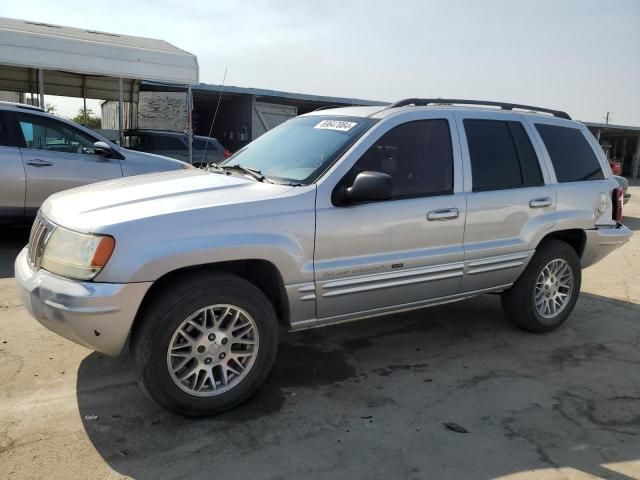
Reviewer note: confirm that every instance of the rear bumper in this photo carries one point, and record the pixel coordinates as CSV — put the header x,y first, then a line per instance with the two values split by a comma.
x,y
96,315
602,241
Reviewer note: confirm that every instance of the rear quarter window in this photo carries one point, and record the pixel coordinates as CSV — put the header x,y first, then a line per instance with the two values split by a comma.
x,y
571,154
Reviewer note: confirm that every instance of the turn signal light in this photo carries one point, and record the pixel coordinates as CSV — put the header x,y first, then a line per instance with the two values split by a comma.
x,y
103,252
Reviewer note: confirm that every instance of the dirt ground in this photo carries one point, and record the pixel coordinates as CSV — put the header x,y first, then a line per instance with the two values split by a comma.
x,y
364,400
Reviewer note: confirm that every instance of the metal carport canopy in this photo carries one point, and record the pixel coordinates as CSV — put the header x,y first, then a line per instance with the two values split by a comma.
x,y
99,58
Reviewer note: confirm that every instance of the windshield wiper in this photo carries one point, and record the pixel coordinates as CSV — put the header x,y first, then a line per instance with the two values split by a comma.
x,y
257,174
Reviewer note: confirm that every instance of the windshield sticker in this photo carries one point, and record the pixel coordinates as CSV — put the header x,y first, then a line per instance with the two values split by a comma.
x,y
339,125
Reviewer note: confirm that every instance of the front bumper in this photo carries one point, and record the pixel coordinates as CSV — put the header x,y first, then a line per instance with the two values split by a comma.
x,y
96,315
602,241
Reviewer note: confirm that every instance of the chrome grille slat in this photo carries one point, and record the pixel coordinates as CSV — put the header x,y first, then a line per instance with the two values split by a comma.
x,y
37,239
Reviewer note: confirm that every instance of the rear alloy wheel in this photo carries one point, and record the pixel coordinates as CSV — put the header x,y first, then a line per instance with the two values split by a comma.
x,y
546,292
553,288
205,343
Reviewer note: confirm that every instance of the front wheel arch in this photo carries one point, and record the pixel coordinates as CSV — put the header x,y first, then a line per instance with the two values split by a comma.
x,y
261,273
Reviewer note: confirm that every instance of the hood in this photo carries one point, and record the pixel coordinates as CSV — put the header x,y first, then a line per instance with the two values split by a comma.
x,y
92,206
138,154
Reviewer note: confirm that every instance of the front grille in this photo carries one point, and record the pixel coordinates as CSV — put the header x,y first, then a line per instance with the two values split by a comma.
x,y
40,232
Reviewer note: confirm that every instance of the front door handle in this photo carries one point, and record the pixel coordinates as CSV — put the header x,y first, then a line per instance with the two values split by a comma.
x,y
540,202
39,163
442,214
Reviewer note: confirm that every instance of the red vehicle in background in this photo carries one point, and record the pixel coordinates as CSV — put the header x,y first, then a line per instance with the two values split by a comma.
x,y
616,167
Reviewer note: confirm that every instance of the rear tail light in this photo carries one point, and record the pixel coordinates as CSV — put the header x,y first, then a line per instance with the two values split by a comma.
x,y
618,197
226,154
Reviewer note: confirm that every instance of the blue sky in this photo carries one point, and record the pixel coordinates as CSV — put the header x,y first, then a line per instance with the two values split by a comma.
x,y
582,56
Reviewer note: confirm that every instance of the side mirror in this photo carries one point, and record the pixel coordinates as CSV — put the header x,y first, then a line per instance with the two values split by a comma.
x,y
369,187
104,149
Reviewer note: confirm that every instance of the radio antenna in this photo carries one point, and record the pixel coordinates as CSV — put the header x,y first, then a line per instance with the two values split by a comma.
x,y
215,114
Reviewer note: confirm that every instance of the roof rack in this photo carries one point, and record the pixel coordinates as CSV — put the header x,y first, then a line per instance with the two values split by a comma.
x,y
421,102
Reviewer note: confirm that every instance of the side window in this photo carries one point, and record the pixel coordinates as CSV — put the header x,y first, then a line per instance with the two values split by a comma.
x,y
572,157
6,137
133,142
501,155
417,155
162,142
43,133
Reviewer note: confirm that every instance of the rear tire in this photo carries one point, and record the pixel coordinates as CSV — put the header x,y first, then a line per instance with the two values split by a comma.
x,y
205,344
546,293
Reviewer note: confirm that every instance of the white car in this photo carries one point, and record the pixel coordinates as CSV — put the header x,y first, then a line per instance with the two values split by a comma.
x,y
41,154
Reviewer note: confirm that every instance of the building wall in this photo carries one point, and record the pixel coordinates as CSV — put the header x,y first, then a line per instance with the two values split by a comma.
x,y
109,115
9,97
155,110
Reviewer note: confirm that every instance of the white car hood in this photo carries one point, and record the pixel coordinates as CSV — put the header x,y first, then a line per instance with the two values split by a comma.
x,y
123,200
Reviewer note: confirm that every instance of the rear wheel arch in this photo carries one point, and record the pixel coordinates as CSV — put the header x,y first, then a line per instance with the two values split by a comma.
x,y
574,237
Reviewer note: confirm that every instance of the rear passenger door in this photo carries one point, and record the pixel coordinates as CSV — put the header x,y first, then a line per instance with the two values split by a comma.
x,y
509,199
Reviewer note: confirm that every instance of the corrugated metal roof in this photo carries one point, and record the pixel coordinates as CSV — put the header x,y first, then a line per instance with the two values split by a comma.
x,y
35,45
261,92
609,126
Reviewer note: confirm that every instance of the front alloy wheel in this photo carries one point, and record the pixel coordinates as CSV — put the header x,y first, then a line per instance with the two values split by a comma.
x,y
213,350
205,343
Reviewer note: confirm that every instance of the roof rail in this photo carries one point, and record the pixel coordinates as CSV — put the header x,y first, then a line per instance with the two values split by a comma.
x,y
421,102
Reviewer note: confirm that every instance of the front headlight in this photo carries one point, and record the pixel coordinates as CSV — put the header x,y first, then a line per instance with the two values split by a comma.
x,y
76,255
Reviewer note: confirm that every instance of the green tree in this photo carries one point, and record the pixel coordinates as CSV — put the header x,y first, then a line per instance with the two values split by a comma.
x,y
50,108
93,120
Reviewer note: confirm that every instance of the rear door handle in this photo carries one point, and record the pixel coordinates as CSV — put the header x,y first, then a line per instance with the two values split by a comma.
x,y
39,163
540,202
442,214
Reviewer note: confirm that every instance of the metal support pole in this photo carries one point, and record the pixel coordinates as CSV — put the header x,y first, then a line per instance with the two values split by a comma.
x,y
635,163
190,122
120,113
41,88
84,100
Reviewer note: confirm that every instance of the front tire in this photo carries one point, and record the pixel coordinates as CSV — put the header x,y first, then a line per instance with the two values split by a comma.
x,y
206,344
546,293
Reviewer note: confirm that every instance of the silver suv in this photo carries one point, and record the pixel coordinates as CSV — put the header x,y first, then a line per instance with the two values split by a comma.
x,y
333,216
41,154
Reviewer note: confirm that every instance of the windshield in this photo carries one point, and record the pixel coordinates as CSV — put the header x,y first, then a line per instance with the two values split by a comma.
x,y
301,149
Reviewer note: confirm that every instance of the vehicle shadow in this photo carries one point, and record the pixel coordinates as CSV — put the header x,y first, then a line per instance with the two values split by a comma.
x,y
369,400
12,240
632,222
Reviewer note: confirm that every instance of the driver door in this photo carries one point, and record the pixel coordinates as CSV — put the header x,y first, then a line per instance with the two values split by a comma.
x,y
399,253
57,157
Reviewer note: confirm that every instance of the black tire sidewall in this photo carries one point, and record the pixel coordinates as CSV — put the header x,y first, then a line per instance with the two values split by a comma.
x,y
152,341
519,301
